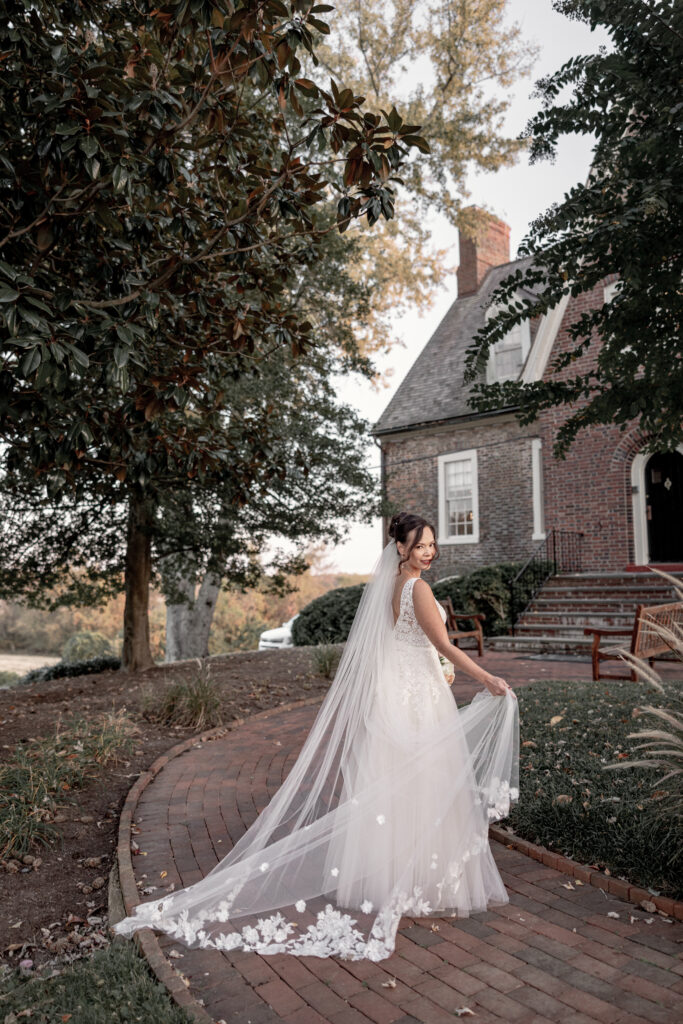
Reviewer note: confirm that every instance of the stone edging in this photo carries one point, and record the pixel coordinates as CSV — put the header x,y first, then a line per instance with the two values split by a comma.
x,y
145,938
616,886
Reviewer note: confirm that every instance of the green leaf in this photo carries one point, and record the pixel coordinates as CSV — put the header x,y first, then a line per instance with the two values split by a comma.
x,y
321,26
35,301
89,145
67,128
417,141
32,318
8,294
121,356
394,120
31,361
79,357
119,177
125,334
8,271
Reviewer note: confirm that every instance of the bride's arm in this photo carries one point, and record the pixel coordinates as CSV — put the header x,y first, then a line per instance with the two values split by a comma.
x,y
427,614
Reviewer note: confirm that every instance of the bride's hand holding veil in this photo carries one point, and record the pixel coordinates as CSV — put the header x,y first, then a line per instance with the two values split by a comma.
x,y
498,686
427,615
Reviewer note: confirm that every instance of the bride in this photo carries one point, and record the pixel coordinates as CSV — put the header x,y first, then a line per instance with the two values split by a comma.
x,y
386,810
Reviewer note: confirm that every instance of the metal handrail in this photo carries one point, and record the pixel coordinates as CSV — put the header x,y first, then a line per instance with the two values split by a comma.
x,y
560,551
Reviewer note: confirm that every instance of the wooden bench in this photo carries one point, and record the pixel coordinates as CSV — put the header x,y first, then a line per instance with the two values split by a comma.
x,y
647,641
455,633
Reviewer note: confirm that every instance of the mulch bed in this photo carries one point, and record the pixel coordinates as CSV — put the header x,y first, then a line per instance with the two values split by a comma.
x,y
44,909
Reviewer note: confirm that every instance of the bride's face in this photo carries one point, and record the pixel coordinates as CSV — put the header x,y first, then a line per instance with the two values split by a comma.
x,y
421,556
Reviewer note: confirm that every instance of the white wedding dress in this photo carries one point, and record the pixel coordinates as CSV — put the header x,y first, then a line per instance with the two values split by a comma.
x,y
384,814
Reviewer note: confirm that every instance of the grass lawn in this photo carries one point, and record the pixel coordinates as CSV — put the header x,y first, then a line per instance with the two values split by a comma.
x,y
112,987
570,803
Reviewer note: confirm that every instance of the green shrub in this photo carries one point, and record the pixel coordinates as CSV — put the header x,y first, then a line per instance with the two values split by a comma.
x,y
9,678
326,659
86,645
65,669
327,620
489,591
194,704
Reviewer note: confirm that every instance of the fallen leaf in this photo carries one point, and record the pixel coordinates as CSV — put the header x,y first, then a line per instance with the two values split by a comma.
x,y
163,874
464,1011
612,913
649,906
555,719
391,983
568,885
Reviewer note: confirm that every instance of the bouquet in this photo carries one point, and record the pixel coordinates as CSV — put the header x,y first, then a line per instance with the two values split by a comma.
x,y
447,669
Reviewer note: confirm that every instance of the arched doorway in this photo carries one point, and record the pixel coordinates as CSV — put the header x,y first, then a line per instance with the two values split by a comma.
x,y
664,506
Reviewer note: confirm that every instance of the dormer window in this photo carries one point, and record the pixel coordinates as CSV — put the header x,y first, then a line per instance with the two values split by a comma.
x,y
507,356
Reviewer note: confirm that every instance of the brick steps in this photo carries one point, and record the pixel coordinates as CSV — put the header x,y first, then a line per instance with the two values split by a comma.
x,y
565,605
544,644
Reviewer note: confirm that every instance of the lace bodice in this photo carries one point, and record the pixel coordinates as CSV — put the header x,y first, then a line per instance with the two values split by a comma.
x,y
407,629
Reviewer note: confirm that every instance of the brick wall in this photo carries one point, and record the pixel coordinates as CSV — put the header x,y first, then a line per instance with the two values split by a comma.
x,y
590,491
504,477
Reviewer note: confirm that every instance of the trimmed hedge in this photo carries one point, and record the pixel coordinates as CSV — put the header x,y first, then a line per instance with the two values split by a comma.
x,y
489,591
64,669
327,620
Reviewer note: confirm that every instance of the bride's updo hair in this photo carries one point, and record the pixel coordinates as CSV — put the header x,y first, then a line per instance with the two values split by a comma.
x,y
400,528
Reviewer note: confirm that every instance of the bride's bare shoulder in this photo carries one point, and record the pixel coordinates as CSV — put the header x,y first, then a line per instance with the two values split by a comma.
x,y
421,590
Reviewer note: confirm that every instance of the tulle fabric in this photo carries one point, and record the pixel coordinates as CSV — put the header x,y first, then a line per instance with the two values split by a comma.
x,y
385,812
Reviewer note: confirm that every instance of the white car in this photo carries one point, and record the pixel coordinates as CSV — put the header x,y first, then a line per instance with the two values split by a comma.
x,y
271,639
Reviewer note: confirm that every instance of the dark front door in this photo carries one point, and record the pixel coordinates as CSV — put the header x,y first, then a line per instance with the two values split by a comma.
x,y
664,505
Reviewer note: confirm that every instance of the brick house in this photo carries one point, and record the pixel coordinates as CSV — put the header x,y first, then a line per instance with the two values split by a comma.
x,y
491,486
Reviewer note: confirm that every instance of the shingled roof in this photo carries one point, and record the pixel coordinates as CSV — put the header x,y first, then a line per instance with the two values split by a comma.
x,y
433,389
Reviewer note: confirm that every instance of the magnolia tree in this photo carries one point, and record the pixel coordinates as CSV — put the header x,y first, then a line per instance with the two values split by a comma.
x,y
166,175
627,219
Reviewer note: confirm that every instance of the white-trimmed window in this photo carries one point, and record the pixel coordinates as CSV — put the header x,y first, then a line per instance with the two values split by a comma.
x,y
458,498
508,356
537,489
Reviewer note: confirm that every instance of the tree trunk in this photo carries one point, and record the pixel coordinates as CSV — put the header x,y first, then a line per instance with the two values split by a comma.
x,y
136,651
204,609
188,623
177,616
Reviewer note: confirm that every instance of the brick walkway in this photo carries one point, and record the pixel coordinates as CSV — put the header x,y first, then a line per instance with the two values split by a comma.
x,y
551,955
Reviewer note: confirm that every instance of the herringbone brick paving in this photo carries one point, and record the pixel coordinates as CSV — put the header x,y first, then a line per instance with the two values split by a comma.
x,y
550,955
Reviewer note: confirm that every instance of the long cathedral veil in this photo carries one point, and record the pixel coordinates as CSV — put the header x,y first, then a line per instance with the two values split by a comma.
x,y
322,871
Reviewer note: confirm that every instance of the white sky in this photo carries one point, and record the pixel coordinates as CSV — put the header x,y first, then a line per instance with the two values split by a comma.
x,y
517,194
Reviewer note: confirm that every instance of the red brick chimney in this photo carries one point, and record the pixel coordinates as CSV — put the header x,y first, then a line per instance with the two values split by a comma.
x,y
490,247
